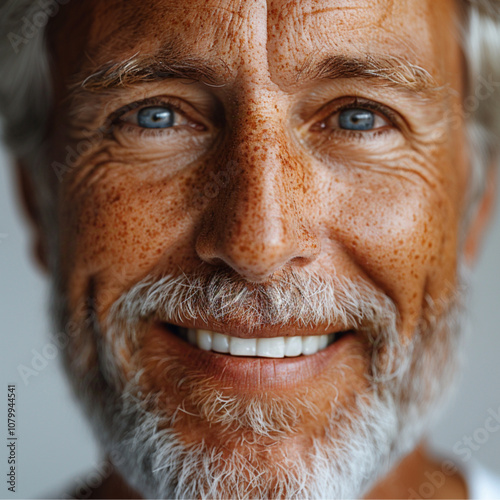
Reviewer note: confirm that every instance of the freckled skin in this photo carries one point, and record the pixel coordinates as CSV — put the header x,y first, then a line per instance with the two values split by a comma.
x,y
387,208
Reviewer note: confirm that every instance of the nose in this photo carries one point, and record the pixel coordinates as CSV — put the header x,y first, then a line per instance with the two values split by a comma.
x,y
258,223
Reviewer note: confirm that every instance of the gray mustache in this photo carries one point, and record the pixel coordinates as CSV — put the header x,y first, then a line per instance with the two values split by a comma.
x,y
295,298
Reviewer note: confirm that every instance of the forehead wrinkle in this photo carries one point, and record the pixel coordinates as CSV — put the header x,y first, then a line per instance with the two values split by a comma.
x,y
343,8
377,39
237,13
213,59
176,60
297,12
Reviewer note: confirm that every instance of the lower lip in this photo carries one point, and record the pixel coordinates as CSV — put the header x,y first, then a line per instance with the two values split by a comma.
x,y
253,373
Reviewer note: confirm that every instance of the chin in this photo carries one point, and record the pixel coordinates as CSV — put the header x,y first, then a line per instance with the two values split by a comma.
x,y
180,421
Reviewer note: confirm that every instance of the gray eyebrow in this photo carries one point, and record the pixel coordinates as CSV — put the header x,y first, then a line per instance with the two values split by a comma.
x,y
170,63
393,70
146,69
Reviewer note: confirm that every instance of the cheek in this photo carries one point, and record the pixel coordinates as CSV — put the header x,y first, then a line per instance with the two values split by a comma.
x,y
121,226
401,231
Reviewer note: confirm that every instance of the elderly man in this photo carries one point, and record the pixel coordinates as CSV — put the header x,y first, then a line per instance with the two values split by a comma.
x,y
258,219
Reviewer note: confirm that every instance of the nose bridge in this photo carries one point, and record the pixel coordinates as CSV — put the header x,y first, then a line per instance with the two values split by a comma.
x,y
258,226
267,169
260,156
260,207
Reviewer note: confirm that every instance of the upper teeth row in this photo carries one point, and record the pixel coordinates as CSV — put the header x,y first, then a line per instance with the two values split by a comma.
x,y
273,347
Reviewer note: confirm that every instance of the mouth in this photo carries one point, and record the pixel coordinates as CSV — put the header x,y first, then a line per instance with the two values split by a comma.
x,y
240,362
269,347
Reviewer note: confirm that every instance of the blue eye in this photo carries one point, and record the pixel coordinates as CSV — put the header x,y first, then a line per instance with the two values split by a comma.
x,y
356,119
155,117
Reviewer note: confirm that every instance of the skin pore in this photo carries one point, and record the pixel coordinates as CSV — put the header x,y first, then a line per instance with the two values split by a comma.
x,y
267,84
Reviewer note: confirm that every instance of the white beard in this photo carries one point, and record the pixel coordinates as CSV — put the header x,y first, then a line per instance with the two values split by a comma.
x,y
408,386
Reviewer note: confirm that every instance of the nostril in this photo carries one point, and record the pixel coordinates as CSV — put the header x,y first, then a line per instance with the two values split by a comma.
x,y
215,261
255,247
300,261
256,260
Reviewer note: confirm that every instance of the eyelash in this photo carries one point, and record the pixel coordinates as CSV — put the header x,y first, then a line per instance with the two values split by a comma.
x,y
358,103
115,119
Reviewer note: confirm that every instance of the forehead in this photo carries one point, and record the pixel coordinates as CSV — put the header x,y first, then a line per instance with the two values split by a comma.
x,y
271,39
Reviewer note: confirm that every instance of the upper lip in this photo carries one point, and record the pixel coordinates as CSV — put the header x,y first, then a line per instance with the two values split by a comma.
x,y
236,329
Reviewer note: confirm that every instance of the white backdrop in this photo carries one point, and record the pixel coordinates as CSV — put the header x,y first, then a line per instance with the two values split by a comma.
x,y
55,443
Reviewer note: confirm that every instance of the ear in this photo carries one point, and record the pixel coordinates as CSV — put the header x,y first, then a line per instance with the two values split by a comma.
x,y
27,197
479,224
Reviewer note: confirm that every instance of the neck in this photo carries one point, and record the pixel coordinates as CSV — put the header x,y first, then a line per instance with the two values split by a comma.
x,y
113,486
417,476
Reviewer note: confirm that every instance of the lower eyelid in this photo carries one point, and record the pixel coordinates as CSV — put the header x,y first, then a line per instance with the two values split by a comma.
x,y
130,130
343,135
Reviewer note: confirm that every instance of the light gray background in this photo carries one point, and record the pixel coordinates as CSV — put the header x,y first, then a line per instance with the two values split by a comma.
x,y
55,443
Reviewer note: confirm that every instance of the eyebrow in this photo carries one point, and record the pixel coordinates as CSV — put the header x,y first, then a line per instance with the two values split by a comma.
x,y
392,70
168,64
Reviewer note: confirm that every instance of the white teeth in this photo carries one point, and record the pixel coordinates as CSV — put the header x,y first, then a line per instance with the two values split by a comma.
x,y
322,342
293,346
220,342
272,347
310,344
204,339
242,347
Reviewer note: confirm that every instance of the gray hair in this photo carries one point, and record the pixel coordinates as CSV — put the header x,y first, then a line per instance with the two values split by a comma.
x,y
25,86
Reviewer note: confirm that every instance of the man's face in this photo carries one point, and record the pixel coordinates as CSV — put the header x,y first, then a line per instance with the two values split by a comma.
x,y
312,140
